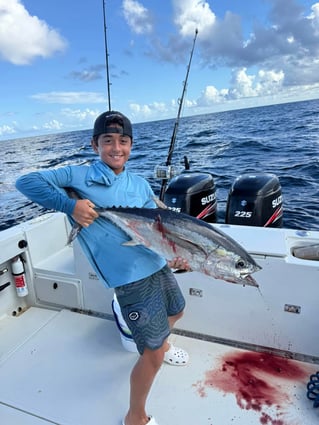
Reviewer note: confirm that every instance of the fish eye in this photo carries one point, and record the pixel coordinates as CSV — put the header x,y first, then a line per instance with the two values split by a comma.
x,y
240,264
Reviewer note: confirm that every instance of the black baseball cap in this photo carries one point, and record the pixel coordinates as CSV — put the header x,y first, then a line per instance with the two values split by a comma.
x,y
103,124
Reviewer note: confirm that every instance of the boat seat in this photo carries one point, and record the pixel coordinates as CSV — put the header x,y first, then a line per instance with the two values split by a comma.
x,y
60,263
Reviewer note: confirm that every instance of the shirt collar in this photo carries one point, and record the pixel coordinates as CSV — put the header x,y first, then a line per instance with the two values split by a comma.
x,y
101,173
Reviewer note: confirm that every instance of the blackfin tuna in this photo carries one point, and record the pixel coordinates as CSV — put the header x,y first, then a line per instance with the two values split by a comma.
x,y
171,234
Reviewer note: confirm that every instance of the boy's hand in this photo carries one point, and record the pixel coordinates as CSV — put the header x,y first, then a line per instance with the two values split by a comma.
x,y
84,213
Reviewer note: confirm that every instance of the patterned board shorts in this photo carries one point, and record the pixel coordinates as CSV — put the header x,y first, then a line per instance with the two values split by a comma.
x,y
146,305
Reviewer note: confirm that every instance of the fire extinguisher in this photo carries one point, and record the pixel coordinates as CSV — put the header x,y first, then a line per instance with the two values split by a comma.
x,y
19,276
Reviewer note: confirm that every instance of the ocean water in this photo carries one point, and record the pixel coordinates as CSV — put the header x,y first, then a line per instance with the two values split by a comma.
x,y
279,139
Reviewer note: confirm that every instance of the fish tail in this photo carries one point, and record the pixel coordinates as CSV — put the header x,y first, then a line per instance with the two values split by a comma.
x,y
76,228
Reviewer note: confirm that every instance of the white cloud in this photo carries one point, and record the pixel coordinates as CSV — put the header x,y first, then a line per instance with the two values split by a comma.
x,y
65,119
53,125
314,17
149,111
77,115
242,85
6,129
269,82
286,43
140,110
69,97
23,37
192,14
137,17
210,96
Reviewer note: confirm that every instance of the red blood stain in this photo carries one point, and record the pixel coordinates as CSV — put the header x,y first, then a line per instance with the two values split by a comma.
x,y
257,380
159,226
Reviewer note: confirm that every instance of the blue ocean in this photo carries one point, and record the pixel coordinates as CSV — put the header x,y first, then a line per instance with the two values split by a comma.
x,y
279,139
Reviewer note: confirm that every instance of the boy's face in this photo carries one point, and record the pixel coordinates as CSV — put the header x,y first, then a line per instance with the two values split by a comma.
x,y
114,149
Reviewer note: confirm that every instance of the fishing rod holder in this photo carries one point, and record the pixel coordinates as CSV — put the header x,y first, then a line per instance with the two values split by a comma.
x,y
166,172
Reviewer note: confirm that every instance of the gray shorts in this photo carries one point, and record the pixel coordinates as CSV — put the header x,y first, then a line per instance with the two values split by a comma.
x,y
146,305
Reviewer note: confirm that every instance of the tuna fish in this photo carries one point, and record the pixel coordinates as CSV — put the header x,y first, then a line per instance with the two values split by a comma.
x,y
171,234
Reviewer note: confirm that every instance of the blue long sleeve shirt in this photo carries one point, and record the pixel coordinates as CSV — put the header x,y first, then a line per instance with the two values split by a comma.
x,y
102,241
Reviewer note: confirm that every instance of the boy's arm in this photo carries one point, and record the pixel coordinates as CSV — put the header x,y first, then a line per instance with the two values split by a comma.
x,y
46,189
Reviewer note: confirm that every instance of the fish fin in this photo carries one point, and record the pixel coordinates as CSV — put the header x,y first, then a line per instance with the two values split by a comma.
x,y
176,238
159,203
186,243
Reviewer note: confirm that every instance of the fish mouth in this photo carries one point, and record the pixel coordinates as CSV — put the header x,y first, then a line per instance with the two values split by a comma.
x,y
249,280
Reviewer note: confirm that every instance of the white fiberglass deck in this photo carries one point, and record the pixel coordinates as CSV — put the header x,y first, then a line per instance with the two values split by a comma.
x,y
70,369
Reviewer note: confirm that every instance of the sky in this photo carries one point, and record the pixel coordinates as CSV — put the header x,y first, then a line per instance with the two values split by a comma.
x,y
247,53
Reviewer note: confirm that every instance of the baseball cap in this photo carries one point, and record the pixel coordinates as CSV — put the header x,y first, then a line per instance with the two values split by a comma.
x,y
103,124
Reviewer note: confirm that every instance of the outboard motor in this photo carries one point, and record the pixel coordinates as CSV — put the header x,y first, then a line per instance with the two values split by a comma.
x,y
193,193
255,200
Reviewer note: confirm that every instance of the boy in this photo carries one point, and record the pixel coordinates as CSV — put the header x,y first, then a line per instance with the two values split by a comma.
x,y
150,299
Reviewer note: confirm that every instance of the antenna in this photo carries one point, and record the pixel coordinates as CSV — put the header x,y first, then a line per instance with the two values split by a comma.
x,y
106,58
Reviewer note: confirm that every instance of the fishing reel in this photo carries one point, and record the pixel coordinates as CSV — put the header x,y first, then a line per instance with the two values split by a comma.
x,y
313,389
166,172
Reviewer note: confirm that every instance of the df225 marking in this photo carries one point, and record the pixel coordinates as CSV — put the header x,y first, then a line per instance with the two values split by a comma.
x,y
248,214
243,214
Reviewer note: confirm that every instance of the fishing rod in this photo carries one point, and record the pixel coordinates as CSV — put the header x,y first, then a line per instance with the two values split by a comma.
x,y
106,58
173,138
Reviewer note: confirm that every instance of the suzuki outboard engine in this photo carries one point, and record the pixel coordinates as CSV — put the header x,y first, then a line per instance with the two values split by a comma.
x,y
255,200
193,193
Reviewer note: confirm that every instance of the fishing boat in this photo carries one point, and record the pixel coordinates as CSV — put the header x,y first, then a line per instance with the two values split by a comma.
x,y
254,352
66,357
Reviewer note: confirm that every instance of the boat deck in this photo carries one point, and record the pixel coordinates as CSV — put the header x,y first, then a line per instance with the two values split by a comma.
x,y
80,376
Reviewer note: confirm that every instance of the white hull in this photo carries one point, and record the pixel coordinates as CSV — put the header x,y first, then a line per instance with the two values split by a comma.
x,y
62,361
